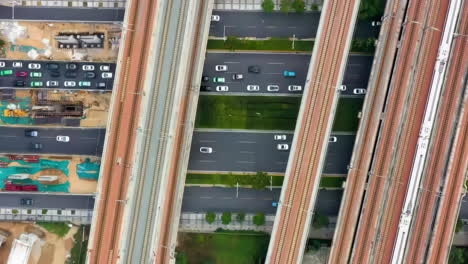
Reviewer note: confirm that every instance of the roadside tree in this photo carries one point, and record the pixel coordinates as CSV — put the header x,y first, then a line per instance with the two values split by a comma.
x,y
210,217
268,6
259,219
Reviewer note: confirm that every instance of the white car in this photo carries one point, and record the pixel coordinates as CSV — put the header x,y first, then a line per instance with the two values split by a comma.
x,y
63,138
342,88
69,83
215,18
272,88
376,23
104,68
359,91
222,88
107,75
2,64
282,146
280,137
35,66
332,139
253,88
52,84
294,88
88,67
17,64
206,150
221,68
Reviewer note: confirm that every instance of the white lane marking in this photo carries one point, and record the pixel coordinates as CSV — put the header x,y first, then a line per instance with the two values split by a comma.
x,y
247,152
270,26
206,197
275,63
291,27
231,62
226,198
247,198
230,26
207,141
244,161
272,73
8,136
251,26
247,142
207,161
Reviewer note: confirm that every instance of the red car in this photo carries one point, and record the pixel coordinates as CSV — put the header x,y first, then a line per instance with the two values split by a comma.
x,y
21,74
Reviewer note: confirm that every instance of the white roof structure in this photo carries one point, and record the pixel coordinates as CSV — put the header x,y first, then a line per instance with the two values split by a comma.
x,y
21,249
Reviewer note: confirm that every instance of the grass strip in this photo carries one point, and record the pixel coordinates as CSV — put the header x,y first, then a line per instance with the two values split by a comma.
x,y
270,44
58,228
346,117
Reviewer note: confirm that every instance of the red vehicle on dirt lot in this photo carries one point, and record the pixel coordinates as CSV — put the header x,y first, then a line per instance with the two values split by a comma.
x,y
16,188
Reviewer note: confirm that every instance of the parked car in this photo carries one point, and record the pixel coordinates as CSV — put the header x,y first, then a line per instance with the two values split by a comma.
x,y
294,88
106,75
88,67
205,88
279,137
332,139
27,201
219,79
52,66
222,88
206,150
254,69
84,84
19,83
221,67
63,138
2,64
282,146
6,72
52,83
289,74
17,64
104,68
376,23
237,76
342,88
70,74
31,133
90,75
272,88
69,83
34,66
205,78
359,91
36,145
21,74
36,84
253,88
71,66
101,85
55,74
35,74
215,18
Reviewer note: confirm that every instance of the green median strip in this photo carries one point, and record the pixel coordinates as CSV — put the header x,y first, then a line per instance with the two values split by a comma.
x,y
273,44
346,117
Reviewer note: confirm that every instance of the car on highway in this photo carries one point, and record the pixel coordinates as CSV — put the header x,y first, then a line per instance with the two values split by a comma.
x,y
36,84
219,79
71,66
205,88
84,84
221,67
6,72
342,88
289,74
333,139
63,138
282,146
2,64
36,145
31,133
205,78
17,64
254,69
90,75
274,204
206,150
222,88
215,18
69,83
359,91
35,74
272,88
106,75
19,83
104,68
52,83
21,74
70,74
27,201
376,23
253,88
34,66
101,85
237,76
88,67
52,66
55,74
279,137
294,88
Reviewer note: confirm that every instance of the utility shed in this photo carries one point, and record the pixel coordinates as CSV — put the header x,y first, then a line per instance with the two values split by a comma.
x,y
21,249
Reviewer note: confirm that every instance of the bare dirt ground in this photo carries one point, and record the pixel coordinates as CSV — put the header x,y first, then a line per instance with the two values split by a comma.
x,y
41,36
51,249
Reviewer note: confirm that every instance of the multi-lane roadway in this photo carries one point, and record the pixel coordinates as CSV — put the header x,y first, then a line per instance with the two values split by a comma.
x,y
52,201
13,140
272,67
258,151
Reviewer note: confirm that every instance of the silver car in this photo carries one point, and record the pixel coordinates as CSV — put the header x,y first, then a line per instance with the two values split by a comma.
x,y
282,146
253,88
206,150
272,88
221,68
294,88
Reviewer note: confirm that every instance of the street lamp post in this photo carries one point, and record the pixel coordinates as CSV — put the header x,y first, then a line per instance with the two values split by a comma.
x,y
224,33
294,37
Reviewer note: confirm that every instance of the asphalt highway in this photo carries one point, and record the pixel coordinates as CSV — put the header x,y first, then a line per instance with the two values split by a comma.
x,y
82,141
217,199
9,81
63,14
272,66
47,201
261,25
249,151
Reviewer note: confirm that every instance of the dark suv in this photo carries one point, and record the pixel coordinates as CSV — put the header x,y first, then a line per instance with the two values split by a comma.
x,y
27,201
37,146
52,66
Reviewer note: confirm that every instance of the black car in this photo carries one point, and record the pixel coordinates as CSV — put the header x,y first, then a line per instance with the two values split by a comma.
x,y
27,201
205,88
101,85
52,66
254,69
54,74
19,83
70,74
90,75
71,66
205,78
36,146
31,133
